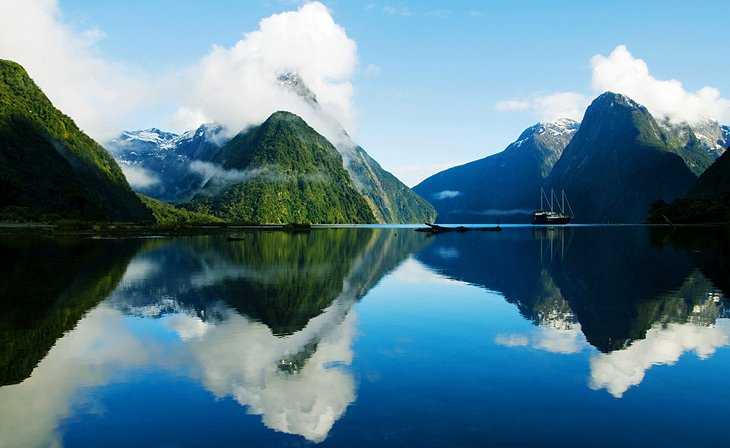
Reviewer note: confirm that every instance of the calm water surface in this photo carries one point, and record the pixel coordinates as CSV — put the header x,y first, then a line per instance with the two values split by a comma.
x,y
587,336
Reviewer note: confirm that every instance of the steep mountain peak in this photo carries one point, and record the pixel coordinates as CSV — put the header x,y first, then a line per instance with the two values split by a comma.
x,y
546,137
209,131
613,99
294,82
284,116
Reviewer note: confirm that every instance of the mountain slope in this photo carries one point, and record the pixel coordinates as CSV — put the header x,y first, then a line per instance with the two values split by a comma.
x,y
503,186
48,167
698,144
618,163
280,172
715,182
389,199
707,202
157,163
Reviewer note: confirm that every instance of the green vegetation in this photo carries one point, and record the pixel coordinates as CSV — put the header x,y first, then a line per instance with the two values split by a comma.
x,y
286,173
49,169
167,214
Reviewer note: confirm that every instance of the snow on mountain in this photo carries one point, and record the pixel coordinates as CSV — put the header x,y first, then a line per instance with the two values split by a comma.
x,y
157,163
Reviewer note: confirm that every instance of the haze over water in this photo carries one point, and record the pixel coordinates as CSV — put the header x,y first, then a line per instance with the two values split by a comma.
x,y
579,336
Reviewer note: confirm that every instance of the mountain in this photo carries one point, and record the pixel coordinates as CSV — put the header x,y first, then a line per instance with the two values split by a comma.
x,y
503,186
698,144
51,169
162,164
281,171
707,202
389,199
157,163
715,182
619,162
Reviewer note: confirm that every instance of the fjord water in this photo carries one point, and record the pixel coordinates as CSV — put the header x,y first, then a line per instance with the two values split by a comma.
x,y
579,336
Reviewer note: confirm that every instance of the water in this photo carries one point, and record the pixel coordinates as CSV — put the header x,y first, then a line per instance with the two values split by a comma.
x,y
584,336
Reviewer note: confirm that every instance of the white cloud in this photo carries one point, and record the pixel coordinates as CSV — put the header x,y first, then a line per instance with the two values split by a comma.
x,y
99,94
237,86
549,107
621,72
619,370
139,177
446,194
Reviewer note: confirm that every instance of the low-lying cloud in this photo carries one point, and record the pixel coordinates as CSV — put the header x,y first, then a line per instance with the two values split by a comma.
x,y
138,177
446,194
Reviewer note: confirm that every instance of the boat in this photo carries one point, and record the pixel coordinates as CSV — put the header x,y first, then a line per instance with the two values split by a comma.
x,y
559,211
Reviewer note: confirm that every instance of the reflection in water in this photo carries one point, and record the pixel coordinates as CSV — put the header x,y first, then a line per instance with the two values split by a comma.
x,y
267,321
638,297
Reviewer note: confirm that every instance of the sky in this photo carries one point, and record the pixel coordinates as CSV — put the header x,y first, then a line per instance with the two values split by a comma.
x,y
420,85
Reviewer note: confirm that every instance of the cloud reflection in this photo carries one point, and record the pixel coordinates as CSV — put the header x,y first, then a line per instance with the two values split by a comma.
x,y
619,370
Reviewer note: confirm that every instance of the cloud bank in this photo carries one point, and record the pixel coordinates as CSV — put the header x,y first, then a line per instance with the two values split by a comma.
x,y
237,86
99,94
621,72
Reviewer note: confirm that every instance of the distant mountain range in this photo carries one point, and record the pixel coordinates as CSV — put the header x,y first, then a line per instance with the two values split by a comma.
x,y
157,163
502,187
177,168
612,166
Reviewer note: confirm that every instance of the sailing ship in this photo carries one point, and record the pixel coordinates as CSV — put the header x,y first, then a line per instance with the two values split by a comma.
x,y
559,211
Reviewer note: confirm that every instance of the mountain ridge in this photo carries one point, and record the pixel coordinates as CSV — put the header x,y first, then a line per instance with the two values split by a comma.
x,y
501,186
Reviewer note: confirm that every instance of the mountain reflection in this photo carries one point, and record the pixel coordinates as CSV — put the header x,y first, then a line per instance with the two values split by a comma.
x,y
641,297
267,321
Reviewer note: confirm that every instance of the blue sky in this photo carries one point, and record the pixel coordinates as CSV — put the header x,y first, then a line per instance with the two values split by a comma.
x,y
431,74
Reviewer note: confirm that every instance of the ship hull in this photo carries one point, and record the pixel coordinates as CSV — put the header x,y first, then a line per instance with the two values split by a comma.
x,y
550,220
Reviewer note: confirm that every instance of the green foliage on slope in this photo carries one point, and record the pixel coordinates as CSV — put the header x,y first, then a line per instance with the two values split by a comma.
x,y
168,214
48,167
282,171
